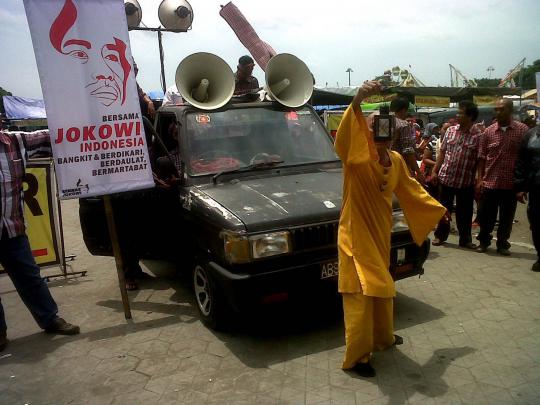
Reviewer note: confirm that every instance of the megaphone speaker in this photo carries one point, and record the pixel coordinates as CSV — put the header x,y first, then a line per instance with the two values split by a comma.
x,y
176,15
205,81
288,80
133,13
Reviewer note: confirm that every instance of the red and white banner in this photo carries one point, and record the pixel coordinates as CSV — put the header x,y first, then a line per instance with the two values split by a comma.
x,y
86,72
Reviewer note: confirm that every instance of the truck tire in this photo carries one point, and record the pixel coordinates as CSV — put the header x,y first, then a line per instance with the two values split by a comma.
x,y
212,305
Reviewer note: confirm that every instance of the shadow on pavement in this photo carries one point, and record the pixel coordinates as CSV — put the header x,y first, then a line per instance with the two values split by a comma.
x,y
435,368
409,311
308,325
49,343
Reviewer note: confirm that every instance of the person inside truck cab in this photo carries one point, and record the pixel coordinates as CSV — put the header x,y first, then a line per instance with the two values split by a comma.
x,y
372,174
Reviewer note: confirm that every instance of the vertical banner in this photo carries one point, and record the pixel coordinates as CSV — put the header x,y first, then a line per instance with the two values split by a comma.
x,y
86,71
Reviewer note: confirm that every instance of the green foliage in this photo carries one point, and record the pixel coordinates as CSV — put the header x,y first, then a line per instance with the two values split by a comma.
x,y
485,82
528,80
4,92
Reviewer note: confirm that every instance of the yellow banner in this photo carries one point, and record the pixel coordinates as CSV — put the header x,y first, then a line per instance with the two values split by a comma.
x,y
38,214
484,100
431,101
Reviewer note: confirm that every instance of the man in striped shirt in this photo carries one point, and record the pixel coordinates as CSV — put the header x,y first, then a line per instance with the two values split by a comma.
x,y
15,253
455,169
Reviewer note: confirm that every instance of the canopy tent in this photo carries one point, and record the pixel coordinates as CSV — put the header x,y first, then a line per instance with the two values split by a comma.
x,y
530,94
22,108
344,95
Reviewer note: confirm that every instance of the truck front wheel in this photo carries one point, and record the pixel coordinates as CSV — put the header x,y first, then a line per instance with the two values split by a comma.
x,y
212,306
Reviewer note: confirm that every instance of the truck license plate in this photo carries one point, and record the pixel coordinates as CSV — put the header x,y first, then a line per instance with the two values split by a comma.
x,y
400,256
329,269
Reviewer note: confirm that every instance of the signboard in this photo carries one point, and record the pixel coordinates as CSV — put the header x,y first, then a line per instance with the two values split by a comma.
x,y
39,213
86,70
431,101
332,123
484,100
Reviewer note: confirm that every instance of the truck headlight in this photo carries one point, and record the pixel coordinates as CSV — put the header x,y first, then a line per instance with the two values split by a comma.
x,y
236,247
399,222
240,248
270,244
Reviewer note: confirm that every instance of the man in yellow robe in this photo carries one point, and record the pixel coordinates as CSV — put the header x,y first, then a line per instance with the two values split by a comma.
x,y
372,174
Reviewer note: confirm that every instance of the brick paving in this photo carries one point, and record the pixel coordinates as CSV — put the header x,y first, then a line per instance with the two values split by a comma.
x,y
471,329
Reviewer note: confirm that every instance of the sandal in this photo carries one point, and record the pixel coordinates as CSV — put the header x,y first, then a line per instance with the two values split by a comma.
x,y
131,285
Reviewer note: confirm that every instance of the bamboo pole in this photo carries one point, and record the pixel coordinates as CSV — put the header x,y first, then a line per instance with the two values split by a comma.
x,y
109,213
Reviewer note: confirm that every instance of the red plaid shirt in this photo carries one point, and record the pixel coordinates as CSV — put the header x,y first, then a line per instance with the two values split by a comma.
x,y
500,150
14,148
460,151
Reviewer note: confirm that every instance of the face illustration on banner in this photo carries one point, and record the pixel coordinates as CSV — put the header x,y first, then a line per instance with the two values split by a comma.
x,y
108,66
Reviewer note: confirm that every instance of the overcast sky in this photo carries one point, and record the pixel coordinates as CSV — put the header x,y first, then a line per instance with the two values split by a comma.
x,y
330,36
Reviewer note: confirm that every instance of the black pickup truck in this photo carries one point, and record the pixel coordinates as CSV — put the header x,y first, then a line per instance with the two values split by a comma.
x,y
255,214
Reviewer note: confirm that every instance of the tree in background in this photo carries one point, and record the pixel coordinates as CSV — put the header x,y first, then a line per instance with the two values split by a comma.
x,y
4,92
528,79
485,82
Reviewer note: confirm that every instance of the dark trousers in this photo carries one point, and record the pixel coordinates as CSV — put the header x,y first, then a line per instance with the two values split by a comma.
x,y
533,212
464,212
16,258
492,202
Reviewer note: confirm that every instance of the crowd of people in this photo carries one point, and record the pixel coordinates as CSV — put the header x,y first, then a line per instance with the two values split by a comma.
x,y
464,164
461,161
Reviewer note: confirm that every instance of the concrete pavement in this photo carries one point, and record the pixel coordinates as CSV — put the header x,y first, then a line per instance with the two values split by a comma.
x,y
471,327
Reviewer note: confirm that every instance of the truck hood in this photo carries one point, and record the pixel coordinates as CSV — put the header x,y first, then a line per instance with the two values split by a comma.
x,y
281,201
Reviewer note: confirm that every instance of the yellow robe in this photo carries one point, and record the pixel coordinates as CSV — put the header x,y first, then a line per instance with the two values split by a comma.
x,y
364,235
366,219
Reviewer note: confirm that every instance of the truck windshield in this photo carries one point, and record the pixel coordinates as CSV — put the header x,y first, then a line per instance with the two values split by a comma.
x,y
229,140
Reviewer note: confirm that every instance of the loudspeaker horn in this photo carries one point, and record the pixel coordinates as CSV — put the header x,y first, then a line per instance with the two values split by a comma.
x,y
205,81
176,15
288,80
133,13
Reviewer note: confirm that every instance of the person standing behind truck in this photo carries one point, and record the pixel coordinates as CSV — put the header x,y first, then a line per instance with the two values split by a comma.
x,y
455,169
405,140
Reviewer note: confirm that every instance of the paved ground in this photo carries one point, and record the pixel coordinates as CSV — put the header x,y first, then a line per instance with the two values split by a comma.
x,y
471,327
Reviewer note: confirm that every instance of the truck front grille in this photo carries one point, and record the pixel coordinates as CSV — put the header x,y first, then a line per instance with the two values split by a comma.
x,y
314,236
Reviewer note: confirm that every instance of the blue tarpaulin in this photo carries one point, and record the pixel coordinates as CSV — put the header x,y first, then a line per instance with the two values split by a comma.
x,y
20,108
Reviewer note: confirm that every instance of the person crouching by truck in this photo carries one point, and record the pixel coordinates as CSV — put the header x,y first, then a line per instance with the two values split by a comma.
x,y
372,174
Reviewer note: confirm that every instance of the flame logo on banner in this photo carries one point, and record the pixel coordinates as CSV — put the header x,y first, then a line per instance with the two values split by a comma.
x,y
108,63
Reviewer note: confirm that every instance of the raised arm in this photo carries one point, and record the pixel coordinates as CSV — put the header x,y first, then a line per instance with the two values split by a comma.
x,y
353,143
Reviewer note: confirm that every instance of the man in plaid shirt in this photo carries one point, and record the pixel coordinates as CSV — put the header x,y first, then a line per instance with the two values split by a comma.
x,y
499,147
404,139
455,169
15,253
